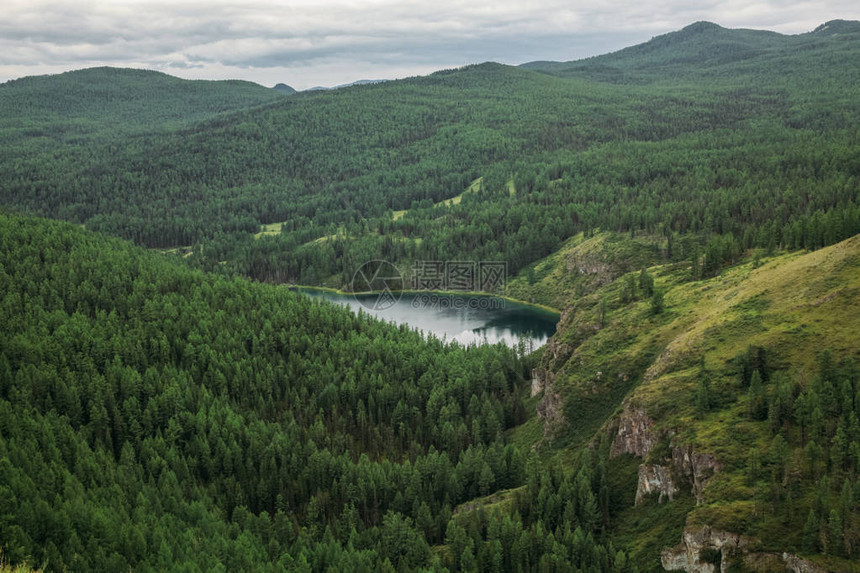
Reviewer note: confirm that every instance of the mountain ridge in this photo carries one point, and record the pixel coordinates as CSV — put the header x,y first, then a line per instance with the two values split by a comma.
x,y
119,72
703,44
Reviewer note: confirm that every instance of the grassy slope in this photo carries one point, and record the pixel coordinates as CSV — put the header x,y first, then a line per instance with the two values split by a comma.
x,y
794,305
581,266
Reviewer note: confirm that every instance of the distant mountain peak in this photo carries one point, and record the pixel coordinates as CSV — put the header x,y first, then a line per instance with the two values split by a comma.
x,y
838,27
349,85
702,26
284,89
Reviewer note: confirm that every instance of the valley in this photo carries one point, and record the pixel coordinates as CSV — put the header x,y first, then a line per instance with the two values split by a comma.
x,y
668,378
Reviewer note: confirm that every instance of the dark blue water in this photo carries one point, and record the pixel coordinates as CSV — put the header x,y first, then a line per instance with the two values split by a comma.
x,y
468,319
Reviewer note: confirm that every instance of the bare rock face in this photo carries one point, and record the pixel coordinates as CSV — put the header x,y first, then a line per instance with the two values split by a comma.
x,y
593,266
550,407
675,559
798,565
704,550
556,352
538,381
635,435
763,562
655,480
779,562
698,467
559,351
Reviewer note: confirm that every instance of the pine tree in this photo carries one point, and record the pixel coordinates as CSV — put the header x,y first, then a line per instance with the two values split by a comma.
x,y
779,455
657,305
646,283
703,394
845,515
834,533
810,533
839,449
628,290
695,272
756,394
602,311
753,466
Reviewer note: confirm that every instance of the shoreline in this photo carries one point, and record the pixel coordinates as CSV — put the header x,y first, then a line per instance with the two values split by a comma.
x,y
539,306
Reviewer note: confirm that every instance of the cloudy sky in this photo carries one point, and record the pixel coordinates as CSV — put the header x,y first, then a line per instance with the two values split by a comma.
x,y
326,42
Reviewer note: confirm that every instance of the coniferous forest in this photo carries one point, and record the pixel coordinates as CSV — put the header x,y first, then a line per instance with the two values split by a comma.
x,y
691,204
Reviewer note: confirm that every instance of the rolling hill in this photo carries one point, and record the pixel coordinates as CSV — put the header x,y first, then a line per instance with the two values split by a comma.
x,y
121,100
339,163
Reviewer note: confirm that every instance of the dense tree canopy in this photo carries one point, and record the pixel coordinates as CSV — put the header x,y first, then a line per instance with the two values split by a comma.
x,y
722,146
158,418
165,413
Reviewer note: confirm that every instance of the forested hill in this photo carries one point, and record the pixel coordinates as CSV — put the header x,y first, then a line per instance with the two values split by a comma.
x,y
156,418
704,50
119,100
382,171
284,89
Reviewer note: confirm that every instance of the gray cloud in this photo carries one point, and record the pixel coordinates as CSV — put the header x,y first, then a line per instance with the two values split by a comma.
x,y
306,42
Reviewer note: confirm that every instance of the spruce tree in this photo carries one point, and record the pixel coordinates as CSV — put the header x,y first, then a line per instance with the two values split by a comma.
x,y
810,533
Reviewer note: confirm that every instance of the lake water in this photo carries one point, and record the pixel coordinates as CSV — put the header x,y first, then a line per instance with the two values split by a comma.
x,y
468,319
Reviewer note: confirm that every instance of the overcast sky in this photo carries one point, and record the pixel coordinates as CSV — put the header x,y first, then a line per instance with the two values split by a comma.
x,y
307,43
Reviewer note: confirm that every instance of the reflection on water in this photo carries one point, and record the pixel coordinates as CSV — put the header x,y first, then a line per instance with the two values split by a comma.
x,y
468,319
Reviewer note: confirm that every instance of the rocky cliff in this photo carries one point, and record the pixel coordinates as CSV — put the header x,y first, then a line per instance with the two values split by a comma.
x,y
634,435
698,467
706,550
549,407
655,480
635,379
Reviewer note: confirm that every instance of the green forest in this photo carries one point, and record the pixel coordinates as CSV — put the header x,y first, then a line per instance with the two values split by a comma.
x,y
159,418
691,204
747,150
